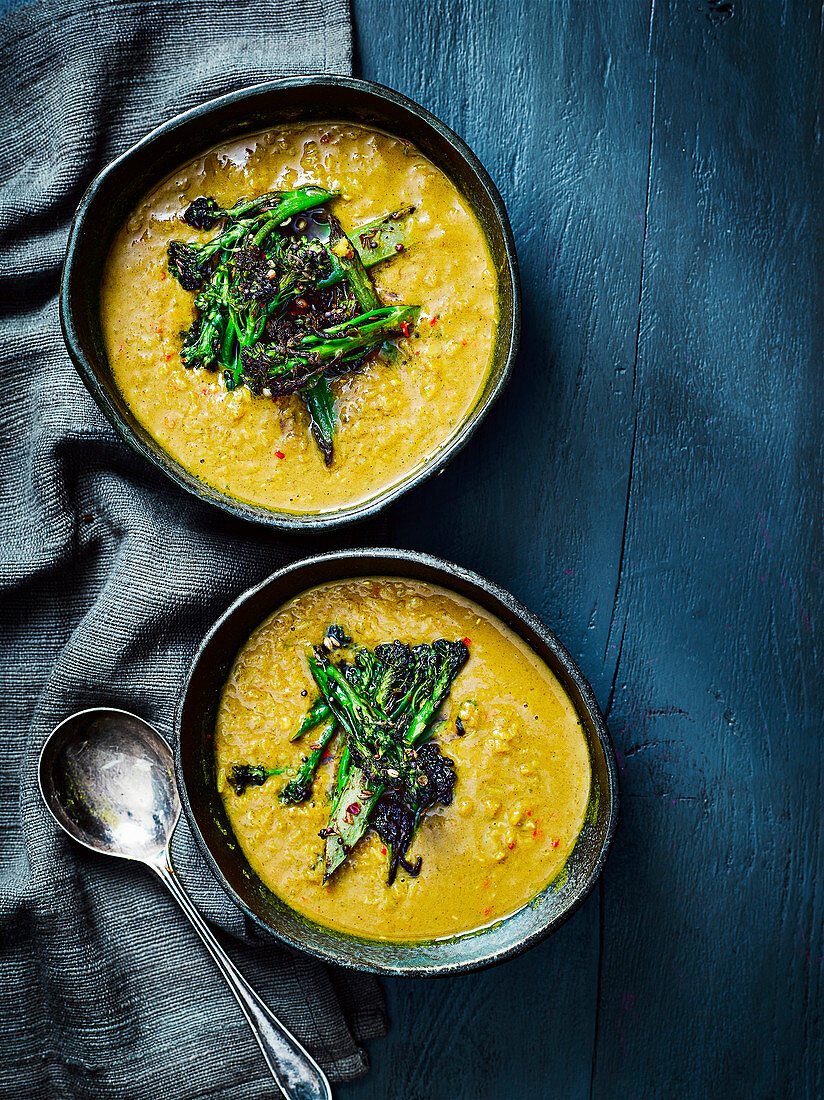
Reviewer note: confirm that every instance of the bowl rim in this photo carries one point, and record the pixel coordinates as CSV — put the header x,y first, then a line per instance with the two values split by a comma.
x,y
90,370
522,613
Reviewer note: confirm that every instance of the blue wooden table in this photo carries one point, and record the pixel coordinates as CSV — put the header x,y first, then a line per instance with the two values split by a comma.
x,y
651,485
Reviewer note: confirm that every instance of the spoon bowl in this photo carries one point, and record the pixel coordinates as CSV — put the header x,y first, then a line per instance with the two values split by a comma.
x,y
108,778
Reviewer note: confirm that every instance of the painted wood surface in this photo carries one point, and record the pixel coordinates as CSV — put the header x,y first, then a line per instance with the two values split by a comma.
x,y
651,485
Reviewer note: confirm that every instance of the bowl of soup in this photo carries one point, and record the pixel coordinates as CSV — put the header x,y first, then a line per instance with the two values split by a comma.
x,y
295,815
401,407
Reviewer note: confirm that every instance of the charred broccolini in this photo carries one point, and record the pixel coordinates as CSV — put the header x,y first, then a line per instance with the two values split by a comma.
x,y
284,299
386,703
383,703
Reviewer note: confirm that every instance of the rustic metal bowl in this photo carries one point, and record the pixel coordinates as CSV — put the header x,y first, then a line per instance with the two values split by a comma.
x,y
119,187
195,721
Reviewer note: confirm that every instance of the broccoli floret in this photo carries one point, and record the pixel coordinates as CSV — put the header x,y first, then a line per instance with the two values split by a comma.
x,y
252,282
188,264
201,344
337,637
203,213
299,788
397,675
439,667
247,775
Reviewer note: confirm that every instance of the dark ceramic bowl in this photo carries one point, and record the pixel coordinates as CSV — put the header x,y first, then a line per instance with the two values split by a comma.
x,y
195,721
119,187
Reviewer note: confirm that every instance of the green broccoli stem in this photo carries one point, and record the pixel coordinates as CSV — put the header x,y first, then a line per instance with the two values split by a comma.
x,y
225,240
422,719
344,767
299,788
293,202
348,258
349,816
349,820
366,335
354,800
318,397
240,336
355,713
375,242
322,419
251,206
229,352
370,316
212,332
318,712
378,240
388,321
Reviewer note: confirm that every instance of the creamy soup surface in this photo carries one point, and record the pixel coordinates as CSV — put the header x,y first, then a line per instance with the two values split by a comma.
x,y
393,415
523,773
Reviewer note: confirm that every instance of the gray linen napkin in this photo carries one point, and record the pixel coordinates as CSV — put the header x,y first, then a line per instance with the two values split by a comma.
x,y
110,576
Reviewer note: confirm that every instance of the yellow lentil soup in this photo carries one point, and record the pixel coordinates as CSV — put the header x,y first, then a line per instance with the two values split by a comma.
x,y
394,414
522,766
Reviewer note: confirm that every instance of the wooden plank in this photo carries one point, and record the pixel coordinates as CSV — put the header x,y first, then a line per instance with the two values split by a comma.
x,y
712,963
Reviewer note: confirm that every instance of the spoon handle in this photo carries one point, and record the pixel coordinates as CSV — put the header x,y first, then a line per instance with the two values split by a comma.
x,y
297,1074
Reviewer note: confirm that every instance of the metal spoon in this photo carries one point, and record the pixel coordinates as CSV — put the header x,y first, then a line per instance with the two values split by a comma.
x,y
108,780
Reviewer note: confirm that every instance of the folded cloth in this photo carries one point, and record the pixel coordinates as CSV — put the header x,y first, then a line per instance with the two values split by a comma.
x,y
110,576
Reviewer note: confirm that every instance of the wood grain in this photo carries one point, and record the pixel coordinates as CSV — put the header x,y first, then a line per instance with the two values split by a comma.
x,y
651,484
